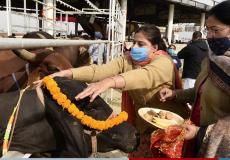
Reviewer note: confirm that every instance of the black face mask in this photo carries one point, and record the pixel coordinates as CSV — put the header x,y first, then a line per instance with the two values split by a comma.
x,y
219,45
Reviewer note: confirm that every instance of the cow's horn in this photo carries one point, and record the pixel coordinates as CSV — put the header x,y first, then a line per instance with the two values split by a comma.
x,y
26,55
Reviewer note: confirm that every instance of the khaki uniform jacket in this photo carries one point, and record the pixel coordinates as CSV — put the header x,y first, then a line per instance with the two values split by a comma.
x,y
214,102
142,82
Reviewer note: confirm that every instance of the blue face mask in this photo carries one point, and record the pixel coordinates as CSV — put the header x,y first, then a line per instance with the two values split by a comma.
x,y
219,45
139,54
172,52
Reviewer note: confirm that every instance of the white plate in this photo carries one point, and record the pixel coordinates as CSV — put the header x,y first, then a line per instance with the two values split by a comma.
x,y
178,119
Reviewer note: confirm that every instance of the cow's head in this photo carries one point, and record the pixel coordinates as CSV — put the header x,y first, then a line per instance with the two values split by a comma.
x,y
123,136
44,61
52,129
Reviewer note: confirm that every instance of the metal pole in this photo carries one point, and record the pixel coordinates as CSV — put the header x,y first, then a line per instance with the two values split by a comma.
x,y
49,13
113,25
36,6
109,32
202,21
8,12
170,23
25,18
67,25
21,43
54,18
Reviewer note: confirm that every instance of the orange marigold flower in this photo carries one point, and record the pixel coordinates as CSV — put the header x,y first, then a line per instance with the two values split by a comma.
x,y
62,97
102,125
84,120
124,115
56,90
76,111
93,122
52,89
117,121
59,102
55,96
53,83
96,126
80,115
109,122
66,104
46,79
63,101
87,120
71,109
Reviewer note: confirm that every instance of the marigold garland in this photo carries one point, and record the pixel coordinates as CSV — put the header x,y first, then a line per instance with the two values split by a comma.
x,y
63,101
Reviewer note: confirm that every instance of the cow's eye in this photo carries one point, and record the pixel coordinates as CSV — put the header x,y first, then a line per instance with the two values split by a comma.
x,y
52,69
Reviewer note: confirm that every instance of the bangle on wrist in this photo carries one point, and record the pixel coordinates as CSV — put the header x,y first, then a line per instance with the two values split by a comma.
x,y
115,85
70,74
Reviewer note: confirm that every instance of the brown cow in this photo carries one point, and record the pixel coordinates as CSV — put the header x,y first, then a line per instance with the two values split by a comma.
x,y
21,67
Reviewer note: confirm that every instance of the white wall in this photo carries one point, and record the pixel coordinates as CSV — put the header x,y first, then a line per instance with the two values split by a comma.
x,y
20,24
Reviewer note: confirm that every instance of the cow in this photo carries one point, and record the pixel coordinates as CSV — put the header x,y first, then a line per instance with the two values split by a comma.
x,y
15,73
50,129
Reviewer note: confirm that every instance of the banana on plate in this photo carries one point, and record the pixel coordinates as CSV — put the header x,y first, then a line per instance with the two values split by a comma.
x,y
164,123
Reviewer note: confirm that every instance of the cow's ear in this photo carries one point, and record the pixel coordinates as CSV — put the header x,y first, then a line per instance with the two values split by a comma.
x,y
52,68
83,49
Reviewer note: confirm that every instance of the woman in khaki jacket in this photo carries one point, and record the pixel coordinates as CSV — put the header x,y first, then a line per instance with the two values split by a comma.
x,y
142,73
211,95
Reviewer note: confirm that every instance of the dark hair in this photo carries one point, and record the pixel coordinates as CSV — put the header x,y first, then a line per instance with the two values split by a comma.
x,y
196,35
221,12
153,34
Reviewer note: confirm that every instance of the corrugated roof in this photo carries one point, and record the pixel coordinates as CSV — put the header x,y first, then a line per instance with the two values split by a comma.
x,y
203,4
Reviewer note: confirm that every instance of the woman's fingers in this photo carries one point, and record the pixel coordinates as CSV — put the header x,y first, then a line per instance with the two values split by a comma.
x,y
191,131
166,94
37,83
93,90
85,93
162,96
94,95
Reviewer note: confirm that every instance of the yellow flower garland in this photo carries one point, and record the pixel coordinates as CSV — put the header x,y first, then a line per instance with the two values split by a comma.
x,y
63,101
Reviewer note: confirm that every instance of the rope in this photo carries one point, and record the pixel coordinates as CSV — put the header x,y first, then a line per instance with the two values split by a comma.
x,y
11,124
15,80
93,135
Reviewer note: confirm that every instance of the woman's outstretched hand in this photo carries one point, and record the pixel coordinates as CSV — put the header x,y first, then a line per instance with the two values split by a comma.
x,y
95,89
166,94
64,73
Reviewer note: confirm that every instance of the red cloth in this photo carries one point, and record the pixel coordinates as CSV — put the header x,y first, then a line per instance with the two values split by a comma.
x,y
178,81
69,19
128,106
167,143
195,118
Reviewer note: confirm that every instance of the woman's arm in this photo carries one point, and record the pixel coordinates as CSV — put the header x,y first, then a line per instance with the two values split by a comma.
x,y
159,72
185,96
95,73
